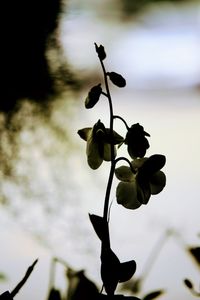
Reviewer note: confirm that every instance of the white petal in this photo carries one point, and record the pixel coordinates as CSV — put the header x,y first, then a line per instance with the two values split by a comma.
x,y
124,173
157,182
126,194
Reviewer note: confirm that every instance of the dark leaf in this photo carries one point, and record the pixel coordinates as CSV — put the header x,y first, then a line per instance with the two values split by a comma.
x,y
133,285
188,283
195,252
100,226
127,270
117,79
100,51
93,96
54,294
81,287
6,296
24,279
153,295
110,266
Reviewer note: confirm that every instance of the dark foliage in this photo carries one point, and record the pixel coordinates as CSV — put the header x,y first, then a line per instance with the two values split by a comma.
x,y
130,8
80,287
54,294
195,252
26,27
6,296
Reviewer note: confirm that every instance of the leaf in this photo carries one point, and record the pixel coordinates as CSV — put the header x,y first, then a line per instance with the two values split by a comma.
x,y
153,295
100,51
54,294
195,252
117,79
127,270
110,266
6,296
188,283
100,226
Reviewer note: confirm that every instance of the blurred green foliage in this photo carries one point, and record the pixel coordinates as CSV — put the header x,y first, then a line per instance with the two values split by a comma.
x,y
132,7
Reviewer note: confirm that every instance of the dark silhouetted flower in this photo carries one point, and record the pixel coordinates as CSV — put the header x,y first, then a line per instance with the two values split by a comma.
x,y
99,142
139,183
137,141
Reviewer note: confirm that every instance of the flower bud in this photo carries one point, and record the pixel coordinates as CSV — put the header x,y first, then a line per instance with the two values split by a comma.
x,y
100,51
117,79
93,96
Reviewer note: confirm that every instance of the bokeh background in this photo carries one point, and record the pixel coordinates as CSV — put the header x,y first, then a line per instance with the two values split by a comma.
x,y
47,188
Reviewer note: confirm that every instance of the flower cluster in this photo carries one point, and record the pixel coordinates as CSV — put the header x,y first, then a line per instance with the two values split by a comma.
x,y
140,179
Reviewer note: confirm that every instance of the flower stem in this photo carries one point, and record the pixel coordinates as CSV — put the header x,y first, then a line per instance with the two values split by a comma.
x,y
112,168
120,118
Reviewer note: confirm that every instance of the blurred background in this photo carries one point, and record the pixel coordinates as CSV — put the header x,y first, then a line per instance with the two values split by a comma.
x,y
47,188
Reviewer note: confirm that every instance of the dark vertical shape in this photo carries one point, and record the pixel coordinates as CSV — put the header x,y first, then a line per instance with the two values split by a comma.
x,y
25,28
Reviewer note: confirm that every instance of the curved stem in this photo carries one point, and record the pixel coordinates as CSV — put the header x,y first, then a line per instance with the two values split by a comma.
x,y
128,161
120,118
112,169
108,190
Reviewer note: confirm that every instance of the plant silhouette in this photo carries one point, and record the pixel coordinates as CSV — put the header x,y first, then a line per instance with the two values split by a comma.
x,y
140,178
10,295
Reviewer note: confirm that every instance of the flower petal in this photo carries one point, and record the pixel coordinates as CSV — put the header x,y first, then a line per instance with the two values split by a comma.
x,y
137,141
93,157
157,182
124,173
116,139
84,133
126,194
143,192
93,96
107,152
138,162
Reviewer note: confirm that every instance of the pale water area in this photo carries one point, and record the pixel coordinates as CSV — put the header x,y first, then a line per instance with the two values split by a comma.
x,y
162,69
